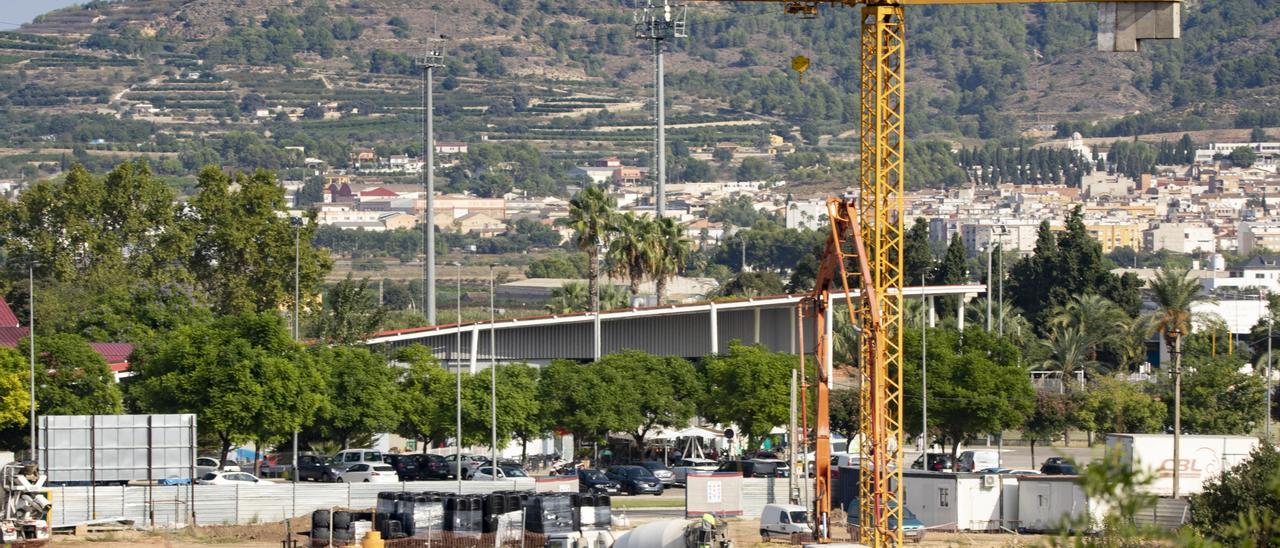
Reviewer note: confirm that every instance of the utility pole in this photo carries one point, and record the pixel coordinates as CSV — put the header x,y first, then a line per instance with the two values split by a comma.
x,y
457,471
493,384
658,24
1270,322
31,342
1177,409
990,247
924,370
297,336
430,60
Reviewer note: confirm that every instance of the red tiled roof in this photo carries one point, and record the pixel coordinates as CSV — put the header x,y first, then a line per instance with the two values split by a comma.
x,y
116,354
379,192
7,319
9,336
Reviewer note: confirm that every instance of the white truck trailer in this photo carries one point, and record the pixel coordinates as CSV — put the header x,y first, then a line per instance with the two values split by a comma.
x,y
1200,459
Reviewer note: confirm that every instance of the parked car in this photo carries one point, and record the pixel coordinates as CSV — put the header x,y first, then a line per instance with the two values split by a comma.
x,y
977,459
783,520
369,473
1060,468
228,478
938,462
683,466
912,527
406,465
204,465
316,468
513,471
660,471
757,468
635,480
486,473
433,467
1010,471
469,464
595,481
345,459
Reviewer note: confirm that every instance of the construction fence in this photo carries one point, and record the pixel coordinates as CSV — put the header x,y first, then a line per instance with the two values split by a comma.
x,y
180,505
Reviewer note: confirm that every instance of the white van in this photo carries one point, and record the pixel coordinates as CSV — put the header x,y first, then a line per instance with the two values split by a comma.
x,y
977,459
783,520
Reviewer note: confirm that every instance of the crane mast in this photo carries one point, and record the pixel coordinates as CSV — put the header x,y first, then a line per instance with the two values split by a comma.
x,y
865,249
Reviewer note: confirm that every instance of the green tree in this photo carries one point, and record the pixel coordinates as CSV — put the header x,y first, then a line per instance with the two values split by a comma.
x,y
591,217
1174,294
312,192
124,226
753,284
15,397
748,386
76,379
673,250
580,399
1258,135
950,271
722,155
633,250
350,314
1049,418
1116,405
844,406
573,297
917,259
661,392
243,257
753,169
424,386
1218,399
559,265
519,408
1242,157
1241,507
243,375
1069,350
361,393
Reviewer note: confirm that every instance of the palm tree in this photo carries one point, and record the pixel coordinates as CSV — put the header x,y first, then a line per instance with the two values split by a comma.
x,y
1094,315
1174,294
1130,340
1069,348
633,250
591,216
673,252
574,297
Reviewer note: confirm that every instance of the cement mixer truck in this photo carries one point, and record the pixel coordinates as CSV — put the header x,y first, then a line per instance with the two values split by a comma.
x,y
707,532
24,514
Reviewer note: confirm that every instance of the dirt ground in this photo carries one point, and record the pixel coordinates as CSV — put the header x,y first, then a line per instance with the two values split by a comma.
x,y
744,533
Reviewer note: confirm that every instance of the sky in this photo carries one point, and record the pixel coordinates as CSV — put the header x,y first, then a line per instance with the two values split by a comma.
x,y
15,12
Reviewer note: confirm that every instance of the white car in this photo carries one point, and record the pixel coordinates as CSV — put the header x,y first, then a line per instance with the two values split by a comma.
x,y
469,464
370,473
485,473
682,468
204,465
228,478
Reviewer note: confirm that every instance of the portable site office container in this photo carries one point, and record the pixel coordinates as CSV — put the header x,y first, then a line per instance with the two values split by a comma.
x,y
961,501
1202,458
1054,503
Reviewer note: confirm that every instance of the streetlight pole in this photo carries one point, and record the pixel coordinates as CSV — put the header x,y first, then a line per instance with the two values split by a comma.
x,y
1270,323
297,336
1000,284
924,370
31,340
493,383
457,471
1177,408
990,247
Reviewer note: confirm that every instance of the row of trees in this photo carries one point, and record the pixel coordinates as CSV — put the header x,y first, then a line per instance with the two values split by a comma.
x,y
637,248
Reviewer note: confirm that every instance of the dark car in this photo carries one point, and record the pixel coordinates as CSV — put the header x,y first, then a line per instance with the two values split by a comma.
x,y
595,481
938,462
660,471
512,470
635,479
406,466
1058,469
756,468
433,467
315,468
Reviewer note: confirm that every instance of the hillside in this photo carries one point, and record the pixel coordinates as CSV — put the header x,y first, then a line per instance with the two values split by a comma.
x,y
569,77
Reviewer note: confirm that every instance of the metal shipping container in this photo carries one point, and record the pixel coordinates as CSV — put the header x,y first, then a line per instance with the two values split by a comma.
x,y
106,449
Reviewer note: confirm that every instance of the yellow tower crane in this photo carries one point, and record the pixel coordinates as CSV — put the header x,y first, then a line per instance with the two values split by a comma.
x,y
866,244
